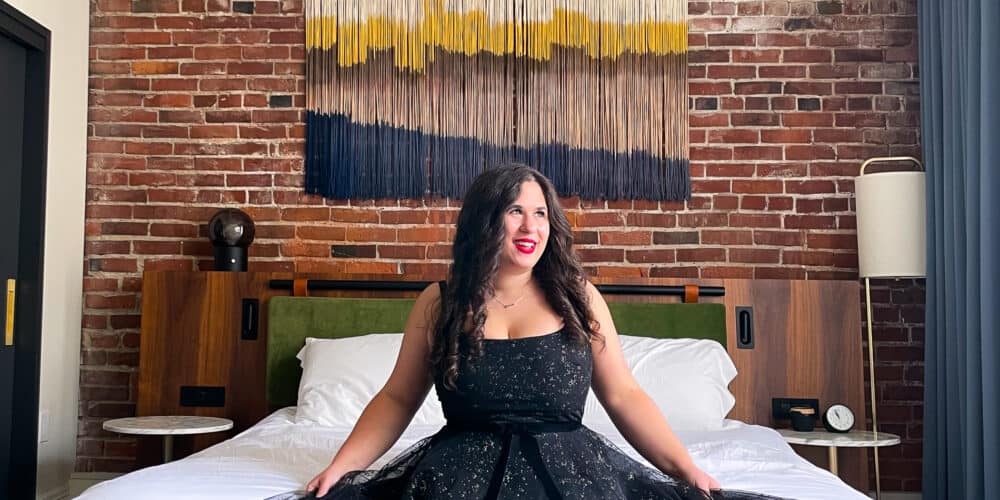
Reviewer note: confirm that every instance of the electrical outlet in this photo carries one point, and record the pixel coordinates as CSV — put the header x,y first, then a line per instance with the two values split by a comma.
x,y
780,406
203,396
43,426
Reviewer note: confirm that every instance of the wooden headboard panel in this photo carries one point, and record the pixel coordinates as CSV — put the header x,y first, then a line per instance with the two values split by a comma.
x,y
807,344
807,337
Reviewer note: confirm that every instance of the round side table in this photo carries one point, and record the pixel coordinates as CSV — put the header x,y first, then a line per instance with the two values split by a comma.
x,y
168,427
834,440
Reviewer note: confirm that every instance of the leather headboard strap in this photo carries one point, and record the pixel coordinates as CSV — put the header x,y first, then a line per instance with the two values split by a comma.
x,y
690,294
300,288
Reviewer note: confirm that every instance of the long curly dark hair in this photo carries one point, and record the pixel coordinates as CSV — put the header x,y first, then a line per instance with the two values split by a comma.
x,y
479,239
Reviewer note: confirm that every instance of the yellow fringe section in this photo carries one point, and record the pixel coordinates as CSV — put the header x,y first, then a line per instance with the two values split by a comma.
x,y
470,33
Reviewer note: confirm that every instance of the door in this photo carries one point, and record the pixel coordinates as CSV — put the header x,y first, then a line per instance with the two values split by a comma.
x,y
24,90
12,81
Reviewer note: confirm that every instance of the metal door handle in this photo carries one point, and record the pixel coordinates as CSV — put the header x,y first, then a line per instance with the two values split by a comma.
x,y
8,329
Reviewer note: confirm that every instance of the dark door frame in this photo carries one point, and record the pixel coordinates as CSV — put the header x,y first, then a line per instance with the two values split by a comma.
x,y
28,325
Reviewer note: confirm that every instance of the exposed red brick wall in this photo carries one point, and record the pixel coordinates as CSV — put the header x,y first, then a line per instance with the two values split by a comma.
x,y
197,104
898,331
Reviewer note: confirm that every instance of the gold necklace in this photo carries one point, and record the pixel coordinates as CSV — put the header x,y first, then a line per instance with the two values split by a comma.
x,y
512,304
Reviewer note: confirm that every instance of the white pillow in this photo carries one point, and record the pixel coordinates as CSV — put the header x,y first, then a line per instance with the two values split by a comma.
x,y
341,376
688,380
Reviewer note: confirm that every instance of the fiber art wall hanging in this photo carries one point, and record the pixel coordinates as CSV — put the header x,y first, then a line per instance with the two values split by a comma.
x,y
406,97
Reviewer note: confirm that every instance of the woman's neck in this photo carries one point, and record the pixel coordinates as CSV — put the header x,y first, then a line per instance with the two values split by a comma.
x,y
508,284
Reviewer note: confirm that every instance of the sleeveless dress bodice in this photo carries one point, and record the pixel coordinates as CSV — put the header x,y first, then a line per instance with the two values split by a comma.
x,y
513,432
541,379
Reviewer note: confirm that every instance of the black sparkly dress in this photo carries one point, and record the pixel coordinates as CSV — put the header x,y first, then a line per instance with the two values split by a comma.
x,y
514,432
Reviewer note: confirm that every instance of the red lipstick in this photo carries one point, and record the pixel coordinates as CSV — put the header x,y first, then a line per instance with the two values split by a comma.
x,y
525,245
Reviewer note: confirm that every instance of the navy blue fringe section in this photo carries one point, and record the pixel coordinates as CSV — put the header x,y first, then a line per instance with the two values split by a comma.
x,y
346,160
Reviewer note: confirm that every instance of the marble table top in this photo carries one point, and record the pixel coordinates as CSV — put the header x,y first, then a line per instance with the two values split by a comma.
x,y
853,439
168,425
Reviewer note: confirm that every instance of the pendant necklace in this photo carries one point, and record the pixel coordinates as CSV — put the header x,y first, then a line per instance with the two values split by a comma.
x,y
512,304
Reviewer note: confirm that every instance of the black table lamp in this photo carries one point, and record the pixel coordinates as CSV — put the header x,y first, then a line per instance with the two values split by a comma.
x,y
231,232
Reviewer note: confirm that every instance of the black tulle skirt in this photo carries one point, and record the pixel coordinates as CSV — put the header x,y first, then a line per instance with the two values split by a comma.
x,y
528,463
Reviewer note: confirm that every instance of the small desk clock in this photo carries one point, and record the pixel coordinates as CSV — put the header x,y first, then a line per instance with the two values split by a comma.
x,y
838,418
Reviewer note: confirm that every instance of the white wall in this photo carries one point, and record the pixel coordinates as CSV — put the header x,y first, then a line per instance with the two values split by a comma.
x,y
69,22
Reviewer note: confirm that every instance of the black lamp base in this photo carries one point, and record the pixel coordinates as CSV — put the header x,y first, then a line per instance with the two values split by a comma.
x,y
230,258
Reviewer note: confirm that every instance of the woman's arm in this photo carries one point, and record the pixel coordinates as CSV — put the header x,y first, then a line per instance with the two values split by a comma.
x,y
391,410
631,409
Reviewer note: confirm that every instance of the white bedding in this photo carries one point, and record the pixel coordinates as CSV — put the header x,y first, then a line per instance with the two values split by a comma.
x,y
277,456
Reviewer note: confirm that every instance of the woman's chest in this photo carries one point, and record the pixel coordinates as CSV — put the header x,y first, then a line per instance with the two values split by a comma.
x,y
544,371
522,320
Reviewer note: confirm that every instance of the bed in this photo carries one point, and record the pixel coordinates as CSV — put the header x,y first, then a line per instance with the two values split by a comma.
x,y
278,455
283,451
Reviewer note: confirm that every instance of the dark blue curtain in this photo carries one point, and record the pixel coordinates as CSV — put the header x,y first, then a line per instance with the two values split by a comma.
x,y
960,122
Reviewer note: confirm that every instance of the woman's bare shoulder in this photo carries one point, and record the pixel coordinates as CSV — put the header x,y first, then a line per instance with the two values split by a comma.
x,y
427,308
431,295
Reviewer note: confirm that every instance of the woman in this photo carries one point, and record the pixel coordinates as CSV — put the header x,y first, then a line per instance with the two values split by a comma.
x,y
511,343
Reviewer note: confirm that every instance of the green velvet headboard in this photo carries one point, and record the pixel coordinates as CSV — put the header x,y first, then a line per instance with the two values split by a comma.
x,y
292,319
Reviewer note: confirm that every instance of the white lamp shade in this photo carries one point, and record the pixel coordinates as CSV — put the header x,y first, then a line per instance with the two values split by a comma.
x,y
891,213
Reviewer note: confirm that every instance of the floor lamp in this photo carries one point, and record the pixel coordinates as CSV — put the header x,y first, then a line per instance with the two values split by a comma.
x,y
891,216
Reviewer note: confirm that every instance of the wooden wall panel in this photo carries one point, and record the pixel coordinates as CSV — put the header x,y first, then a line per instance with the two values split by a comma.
x,y
807,345
191,325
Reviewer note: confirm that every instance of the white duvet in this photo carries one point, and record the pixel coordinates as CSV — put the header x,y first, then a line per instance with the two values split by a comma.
x,y
277,455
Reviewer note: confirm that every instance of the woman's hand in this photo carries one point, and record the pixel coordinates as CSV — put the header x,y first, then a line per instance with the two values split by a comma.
x,y
697,477
325,480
